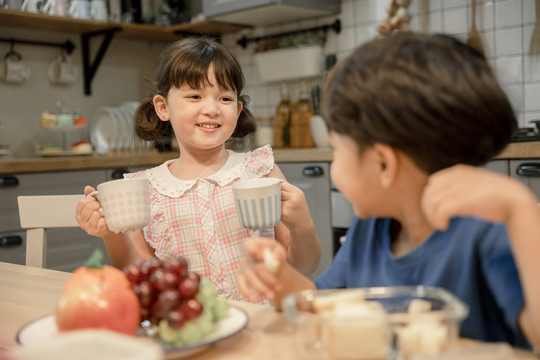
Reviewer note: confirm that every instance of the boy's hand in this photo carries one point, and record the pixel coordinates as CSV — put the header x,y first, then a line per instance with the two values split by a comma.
x,y
464,190
294,208
89,217
260,268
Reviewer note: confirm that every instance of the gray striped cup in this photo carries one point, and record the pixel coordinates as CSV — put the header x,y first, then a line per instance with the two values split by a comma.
x,y
258,202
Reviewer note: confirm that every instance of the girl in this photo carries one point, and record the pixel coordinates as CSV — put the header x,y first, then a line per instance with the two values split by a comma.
x,y
403,112
197,92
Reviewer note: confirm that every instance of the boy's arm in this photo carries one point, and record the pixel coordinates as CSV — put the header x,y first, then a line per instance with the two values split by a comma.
x,y
296,230
469,191
264,270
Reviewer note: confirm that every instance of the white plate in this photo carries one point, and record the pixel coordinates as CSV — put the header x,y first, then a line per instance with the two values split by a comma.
x,y
44,328
104,130
128,126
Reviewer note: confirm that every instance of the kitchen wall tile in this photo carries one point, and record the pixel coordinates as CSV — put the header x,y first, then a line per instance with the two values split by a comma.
x,y
434,5
346,40
454,21
347,13
454,3
363,11
515,94
531,68
508,13
434,23
529,12
488,42
509,70
365,33
380,10
532,97
508,41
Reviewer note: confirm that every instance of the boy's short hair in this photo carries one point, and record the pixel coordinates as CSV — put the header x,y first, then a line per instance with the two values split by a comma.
x,y
430,96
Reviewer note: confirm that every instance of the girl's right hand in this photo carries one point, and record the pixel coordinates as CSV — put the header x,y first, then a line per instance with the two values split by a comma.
x,y
89,217
260,267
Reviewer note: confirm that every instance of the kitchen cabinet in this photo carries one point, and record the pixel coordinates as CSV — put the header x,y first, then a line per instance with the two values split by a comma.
x,y
313,178
528,172
500,166
67,248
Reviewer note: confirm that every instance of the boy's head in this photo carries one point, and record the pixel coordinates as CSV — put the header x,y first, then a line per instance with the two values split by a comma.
x,y
430,96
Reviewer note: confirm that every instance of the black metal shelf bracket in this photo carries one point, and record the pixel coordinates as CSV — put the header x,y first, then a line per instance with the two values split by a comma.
x,y
336,26
68,45
91,69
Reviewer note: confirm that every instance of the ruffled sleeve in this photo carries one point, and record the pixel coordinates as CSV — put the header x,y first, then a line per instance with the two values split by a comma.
x,y
259,162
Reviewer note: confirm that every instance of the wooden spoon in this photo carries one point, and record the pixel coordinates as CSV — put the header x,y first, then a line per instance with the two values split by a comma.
x,y
474,39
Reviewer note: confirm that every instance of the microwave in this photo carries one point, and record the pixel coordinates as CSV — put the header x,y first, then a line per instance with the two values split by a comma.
x,y
267,12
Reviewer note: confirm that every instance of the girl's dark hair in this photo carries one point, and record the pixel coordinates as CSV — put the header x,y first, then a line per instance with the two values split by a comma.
x,y
430,96
186,62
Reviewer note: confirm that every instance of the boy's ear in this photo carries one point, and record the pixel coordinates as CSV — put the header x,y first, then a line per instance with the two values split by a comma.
x,y
160,105
387,161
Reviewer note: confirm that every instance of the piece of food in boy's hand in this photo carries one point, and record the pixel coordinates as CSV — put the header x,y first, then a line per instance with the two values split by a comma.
x,y
270,261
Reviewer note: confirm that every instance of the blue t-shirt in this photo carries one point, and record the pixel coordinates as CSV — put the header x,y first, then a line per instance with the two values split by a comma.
x,y
472,259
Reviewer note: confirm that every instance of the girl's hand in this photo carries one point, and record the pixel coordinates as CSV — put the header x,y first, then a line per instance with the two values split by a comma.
x,y
260,268
89,217
294,208
464,190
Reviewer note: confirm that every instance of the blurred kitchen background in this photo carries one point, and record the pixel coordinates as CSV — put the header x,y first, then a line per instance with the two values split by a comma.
x,y
505,27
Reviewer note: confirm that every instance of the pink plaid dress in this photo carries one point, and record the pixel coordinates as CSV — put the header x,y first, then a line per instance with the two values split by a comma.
x,y
197,218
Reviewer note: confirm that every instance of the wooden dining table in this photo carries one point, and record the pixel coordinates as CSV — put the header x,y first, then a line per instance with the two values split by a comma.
x,y
28,293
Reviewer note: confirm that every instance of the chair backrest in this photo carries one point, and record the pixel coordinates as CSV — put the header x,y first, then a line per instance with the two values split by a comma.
x,y
37,213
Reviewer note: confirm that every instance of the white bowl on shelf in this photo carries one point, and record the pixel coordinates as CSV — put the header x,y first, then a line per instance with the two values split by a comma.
x,y
319,131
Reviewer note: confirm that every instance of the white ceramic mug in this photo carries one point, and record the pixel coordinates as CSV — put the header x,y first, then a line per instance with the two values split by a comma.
x,y
12,70
62,70
125,203
258,202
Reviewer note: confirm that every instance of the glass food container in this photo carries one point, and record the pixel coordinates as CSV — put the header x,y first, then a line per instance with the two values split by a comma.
x,y
374,323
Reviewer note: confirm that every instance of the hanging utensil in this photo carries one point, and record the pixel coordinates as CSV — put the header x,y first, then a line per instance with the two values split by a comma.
x,y
535,37
474,39
424,14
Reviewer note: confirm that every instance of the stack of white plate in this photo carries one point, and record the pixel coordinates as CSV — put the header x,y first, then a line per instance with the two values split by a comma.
x,y
113,128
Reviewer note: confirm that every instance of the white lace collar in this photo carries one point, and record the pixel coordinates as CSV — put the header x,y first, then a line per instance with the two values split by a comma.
x,y
167,184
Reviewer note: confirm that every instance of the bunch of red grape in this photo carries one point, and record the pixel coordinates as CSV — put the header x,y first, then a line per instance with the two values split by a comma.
x,y
166,290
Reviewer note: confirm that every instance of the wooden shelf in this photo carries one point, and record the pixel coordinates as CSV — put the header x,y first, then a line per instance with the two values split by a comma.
x,y
29,20
90,28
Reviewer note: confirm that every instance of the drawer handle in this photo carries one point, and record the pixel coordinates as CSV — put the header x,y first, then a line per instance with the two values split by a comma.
x,y
8,181
313,171
9,241
528,169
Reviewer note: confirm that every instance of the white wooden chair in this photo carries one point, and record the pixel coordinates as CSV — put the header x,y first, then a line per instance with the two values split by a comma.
x,y
37,213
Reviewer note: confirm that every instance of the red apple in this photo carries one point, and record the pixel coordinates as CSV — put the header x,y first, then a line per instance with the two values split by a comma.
x,y
98,298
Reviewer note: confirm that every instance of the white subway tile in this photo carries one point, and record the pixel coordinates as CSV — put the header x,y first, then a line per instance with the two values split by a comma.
x,y
508,13
454,21
509,70
363,10
532,97
508,41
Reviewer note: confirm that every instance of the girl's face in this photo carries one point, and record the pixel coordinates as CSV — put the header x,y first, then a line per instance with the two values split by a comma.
x,y
355,174
202,118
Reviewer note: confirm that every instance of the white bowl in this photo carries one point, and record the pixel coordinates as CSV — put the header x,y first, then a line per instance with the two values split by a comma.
x,y
319,131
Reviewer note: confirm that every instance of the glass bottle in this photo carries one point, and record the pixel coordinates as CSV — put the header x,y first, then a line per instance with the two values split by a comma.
x,y
300,127
282,121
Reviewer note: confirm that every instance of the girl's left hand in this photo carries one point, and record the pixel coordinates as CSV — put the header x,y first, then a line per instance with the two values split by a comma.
x,y
294,208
